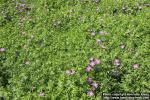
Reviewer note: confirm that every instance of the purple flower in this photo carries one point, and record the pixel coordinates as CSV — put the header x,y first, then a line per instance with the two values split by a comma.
x,y
88,68
135,66
95,85
70,72
90,93
92,63
89,80
97,61
117,62
2,49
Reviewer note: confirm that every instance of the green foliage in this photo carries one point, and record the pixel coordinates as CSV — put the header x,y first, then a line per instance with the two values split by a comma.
x,y
44,38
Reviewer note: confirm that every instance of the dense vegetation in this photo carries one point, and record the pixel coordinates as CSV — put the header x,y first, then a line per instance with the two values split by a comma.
x,y
73,49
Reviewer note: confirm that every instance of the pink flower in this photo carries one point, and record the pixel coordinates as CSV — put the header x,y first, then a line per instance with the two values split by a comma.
x,y
90,93
88,68
117,62
70,72
41,94
2,49
135,66
97,61
95,85
92,63
89,80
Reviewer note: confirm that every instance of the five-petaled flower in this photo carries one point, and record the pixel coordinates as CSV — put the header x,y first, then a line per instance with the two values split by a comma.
x,y
97,61
2,49
117,62
92,64
135,66
88,68
90,93
89,80
95,85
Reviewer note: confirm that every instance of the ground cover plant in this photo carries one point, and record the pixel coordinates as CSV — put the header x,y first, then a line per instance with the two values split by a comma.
x,y
73,49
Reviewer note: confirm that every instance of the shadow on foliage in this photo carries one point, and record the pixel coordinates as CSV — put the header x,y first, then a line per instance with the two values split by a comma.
x,y
4,72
